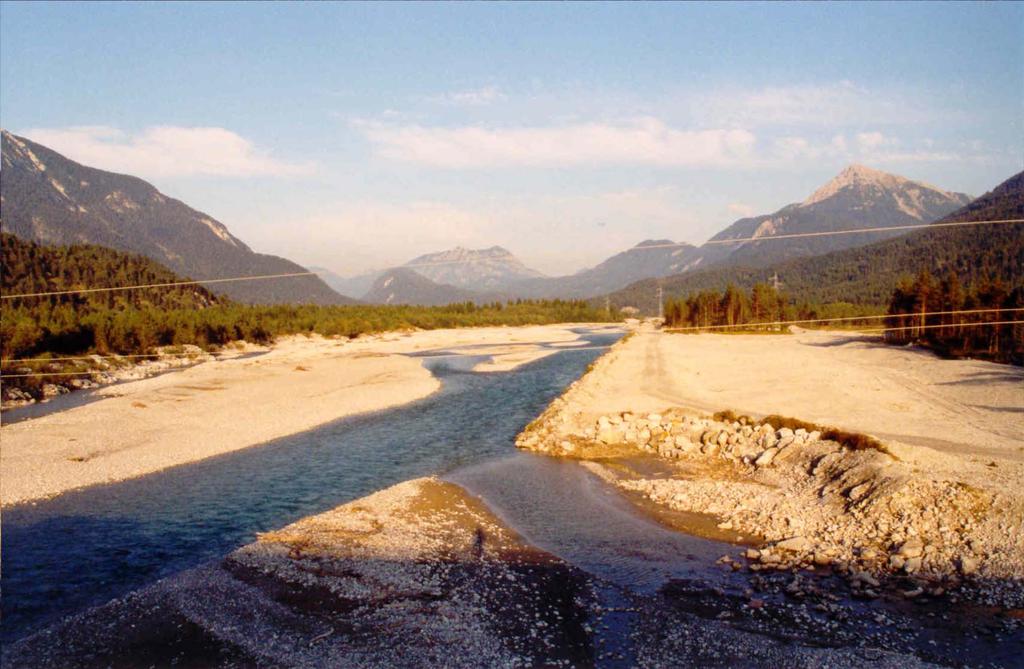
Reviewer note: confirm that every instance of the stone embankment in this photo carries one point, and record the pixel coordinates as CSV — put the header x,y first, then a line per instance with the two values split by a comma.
x,y
843,503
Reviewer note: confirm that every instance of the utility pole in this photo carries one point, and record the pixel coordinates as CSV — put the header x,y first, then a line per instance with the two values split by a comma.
x,y
775,282
608,305
661,304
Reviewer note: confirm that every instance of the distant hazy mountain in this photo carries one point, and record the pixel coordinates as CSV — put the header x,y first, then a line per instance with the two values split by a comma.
x,y
859,197
349,286
649,258
484,275
868,274
475,269
402,285
50,199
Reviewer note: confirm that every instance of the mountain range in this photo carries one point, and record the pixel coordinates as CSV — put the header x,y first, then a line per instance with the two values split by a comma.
x,y
51,199
857,198
403,285
868,274
476,270
488,269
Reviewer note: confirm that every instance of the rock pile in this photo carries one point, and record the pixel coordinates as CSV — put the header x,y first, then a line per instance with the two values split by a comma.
x,y
815,502
95,371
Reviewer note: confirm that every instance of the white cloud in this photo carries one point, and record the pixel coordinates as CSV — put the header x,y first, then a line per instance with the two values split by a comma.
x,y
834,104
166,151
646,141
872,141
477,97
796,148
872,147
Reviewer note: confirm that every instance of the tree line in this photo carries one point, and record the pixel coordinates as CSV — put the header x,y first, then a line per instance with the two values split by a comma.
x,y
139,321
911,319
760,309
957,335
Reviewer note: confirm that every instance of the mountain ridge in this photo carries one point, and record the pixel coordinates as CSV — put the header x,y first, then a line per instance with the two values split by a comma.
x,y
403,285
489,268
51,199
868,274
858,197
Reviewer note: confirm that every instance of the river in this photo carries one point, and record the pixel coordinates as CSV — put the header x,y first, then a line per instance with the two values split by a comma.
x,y
86,547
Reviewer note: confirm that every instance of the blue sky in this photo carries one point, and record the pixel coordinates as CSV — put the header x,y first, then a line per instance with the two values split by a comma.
x,y
354,136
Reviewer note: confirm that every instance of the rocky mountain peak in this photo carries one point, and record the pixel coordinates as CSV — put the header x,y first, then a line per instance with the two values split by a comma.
x,y
490,268
860,179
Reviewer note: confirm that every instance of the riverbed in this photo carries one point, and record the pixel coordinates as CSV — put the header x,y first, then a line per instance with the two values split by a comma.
x,y
87,546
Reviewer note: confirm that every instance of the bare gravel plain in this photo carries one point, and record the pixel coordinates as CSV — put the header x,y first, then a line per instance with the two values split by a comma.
x,y
933,502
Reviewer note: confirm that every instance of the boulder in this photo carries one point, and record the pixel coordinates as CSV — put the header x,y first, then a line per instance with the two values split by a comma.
x,y
684,443
766,458
912,548
795,544
52,390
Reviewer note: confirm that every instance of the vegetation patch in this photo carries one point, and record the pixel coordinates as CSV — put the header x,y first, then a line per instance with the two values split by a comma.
x,y
138,322
855,441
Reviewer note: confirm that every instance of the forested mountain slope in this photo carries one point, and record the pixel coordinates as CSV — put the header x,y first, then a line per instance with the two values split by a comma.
x,y
50,199
869,274
73,321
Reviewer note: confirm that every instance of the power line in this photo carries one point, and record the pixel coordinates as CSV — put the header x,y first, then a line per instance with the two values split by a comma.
x,y
824,233
939,325
585,348
158,285
566,349
809,321
22,376
827,233
11,361
796,235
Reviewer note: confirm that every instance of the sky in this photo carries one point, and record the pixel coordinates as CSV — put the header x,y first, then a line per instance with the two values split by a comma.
x,y
356,136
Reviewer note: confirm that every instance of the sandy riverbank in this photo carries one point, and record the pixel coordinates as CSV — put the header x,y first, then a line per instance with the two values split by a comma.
x,y
943,503
224,405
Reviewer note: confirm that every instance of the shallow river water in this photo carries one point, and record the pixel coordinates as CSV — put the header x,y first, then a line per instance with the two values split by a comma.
x,y
88,546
